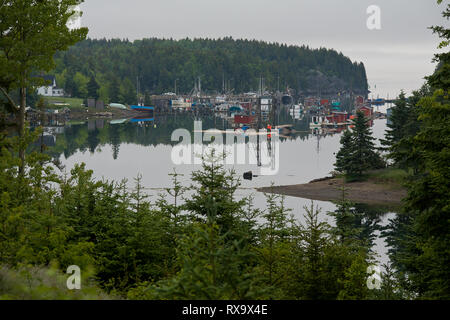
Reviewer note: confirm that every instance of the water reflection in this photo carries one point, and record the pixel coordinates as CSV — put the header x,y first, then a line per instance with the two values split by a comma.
x,y
143,131
122,149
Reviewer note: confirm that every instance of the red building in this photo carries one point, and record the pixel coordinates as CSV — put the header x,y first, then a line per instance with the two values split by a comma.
x,y
243,119
366,110
359,100
337,117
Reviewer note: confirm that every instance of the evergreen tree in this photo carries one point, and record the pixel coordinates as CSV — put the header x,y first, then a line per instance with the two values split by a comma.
x,y
419,236
358,152
314,238
348,228
211,268
428,198
163,61
127,92
397,121
215,187
364,155
440,79
92,88
114,91
274,269
402,127
344,155
70,87
26,27
213,256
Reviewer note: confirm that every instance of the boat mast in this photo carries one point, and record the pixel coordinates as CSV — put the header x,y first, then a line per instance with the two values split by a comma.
x,y
137,90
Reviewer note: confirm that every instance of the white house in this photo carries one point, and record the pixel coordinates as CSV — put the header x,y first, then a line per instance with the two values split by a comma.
x,y
51,90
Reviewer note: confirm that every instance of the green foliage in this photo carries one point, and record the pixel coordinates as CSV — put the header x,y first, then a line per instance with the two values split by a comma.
x,y
44,283
274,268
125,231
440,78
357,153
92,88
344,154
391,287
159,62
419,236
388,175
207,244
80,85
210,246
428,196
364,156
326,265
213,197
31,33
403,125
397,120
212,267
32,232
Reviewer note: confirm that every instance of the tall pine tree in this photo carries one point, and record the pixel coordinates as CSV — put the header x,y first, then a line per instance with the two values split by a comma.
x,y
92,88
344,155
358,152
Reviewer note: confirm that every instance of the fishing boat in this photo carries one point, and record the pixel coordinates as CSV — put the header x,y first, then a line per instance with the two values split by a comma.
x,y
140,106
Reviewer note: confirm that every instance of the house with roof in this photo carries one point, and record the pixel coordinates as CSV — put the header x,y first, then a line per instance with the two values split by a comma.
x,y
367,110
50,90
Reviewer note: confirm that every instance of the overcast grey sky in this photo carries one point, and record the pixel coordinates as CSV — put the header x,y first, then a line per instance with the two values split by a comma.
x,y
396,57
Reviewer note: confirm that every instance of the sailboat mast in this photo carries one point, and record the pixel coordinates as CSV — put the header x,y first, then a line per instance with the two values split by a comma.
x,y
137,89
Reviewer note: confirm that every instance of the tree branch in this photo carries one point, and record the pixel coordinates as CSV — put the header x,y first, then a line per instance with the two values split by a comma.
x,y
10,100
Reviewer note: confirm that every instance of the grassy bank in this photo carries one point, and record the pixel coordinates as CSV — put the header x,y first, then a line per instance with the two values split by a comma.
x,y
388,176
62,102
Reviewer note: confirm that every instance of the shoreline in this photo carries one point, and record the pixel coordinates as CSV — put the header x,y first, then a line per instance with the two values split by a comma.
x,y
108,113
328,189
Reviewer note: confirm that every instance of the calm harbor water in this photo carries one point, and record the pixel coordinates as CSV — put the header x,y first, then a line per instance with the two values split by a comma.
x,y
115,151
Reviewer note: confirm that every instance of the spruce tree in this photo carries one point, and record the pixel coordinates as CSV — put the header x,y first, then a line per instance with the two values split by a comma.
x,y
274,249
419,236
402,127
92,88
428,196
215,186
114,90
211,268
397,121
344,156
358,152
363,157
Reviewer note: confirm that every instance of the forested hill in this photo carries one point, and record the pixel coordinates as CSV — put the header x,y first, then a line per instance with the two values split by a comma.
x,y
115,64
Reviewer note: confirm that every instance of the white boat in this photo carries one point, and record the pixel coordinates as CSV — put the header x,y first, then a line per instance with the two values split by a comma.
x,y
117,106
220,99
181,103
223,107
